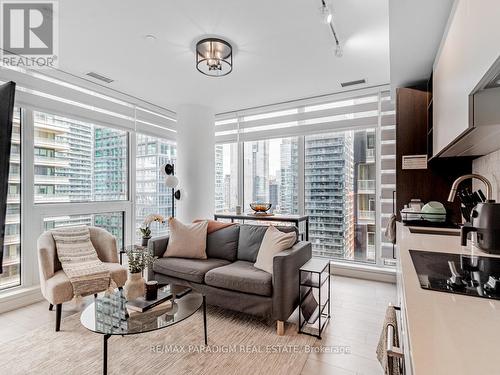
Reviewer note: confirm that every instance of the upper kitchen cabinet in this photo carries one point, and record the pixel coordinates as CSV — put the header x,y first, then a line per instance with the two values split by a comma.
x,y
469,49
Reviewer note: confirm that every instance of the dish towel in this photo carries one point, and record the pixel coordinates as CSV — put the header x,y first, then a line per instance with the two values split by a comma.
x,y
390,230
389,364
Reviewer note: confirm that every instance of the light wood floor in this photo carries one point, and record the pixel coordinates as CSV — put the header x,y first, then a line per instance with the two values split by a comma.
x,y
358,309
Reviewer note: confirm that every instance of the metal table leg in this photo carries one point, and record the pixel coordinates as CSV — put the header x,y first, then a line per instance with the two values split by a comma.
x,y
205,319
105,355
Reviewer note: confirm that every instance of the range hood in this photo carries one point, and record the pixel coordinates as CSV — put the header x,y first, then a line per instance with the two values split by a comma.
x,y
483,134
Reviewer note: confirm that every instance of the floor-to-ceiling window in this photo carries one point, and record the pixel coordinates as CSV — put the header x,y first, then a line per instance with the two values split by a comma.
x,y
321,157
76,157
11,275
76,161
152,195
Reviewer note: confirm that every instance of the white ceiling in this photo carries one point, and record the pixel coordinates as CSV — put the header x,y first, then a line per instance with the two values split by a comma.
x,y
283,50
416,31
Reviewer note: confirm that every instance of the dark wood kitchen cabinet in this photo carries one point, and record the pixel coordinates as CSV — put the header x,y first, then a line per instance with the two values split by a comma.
x,y
433,183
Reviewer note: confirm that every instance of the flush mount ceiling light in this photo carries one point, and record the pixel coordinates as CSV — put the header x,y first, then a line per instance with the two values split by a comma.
x,y
214,57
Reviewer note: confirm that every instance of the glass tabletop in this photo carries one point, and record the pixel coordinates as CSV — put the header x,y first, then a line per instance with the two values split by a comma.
x,y
109,314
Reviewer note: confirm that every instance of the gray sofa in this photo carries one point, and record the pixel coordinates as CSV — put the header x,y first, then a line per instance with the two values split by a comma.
x,y
228,278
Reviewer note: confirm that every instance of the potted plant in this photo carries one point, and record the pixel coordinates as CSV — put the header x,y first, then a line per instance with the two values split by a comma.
x,y
137,262
146,227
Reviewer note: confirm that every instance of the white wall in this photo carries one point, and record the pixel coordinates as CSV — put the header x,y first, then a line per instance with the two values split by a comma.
x,y
489,167
195,162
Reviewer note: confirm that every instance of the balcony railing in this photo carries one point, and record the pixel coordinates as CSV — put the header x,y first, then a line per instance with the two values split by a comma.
x,y
51,161
51,143
366,215
366,185
56,180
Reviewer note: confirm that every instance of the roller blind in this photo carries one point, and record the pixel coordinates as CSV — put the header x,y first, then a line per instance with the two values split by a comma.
x,y
92,104
349,110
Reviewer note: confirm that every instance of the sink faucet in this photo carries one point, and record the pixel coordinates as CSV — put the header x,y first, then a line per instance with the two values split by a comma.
x,y
457,182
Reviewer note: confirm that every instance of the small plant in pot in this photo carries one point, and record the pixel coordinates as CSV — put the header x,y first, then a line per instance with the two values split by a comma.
x,y
137,262
145,229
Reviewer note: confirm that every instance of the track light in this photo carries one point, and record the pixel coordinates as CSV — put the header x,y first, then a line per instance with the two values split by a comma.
x,y
328,19
338,50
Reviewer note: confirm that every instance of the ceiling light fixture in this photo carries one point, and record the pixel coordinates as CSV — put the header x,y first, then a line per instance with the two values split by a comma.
x,y
328,17
214,57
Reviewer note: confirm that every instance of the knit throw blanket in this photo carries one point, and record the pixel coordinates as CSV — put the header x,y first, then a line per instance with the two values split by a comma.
x,y
80,262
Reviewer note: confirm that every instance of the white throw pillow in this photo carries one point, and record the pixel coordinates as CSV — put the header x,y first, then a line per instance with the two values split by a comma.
x,y
187,240
273,242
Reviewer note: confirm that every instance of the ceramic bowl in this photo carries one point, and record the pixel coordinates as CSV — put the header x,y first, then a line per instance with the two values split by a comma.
x,y
434,211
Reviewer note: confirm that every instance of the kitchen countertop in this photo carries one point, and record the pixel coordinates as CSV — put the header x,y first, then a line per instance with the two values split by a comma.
x,y
448,333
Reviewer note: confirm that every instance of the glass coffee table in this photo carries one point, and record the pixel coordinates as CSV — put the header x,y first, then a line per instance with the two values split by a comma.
x,y
108,316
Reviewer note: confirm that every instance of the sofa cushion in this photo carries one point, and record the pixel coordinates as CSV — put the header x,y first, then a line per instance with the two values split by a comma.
x,y
241,276
223,243
188,269
251,237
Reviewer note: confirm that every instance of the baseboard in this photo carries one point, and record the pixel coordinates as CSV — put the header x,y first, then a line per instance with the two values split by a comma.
x,y
19,298
365,272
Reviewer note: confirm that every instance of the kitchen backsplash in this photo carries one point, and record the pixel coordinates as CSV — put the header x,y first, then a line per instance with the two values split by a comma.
x,y
489,167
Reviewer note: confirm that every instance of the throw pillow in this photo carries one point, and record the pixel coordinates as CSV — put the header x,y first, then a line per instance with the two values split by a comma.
x,y
214,225
187,240
273,242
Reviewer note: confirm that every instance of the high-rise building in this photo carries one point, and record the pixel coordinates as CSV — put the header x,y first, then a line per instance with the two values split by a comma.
x,y
274,195
289,158
365,188
52,182
257,164
110,164
12,240
329,194
76,161
152,195
220,187
227,193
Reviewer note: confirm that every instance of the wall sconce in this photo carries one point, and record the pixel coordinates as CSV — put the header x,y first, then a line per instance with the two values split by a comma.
x,y
172,182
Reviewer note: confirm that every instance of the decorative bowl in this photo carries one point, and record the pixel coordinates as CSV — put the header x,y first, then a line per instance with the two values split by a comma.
x,y
260,208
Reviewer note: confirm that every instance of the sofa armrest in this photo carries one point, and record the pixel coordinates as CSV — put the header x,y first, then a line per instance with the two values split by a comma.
x,y
156,247
286,266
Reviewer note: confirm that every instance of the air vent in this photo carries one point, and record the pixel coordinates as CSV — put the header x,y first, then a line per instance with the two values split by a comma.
x,y
100,77
352,83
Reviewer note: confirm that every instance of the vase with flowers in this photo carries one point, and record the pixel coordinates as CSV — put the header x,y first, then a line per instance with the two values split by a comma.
x,y
138,260
145,229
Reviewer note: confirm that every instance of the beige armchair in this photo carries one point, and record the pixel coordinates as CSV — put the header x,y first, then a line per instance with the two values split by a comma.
x,y
55,285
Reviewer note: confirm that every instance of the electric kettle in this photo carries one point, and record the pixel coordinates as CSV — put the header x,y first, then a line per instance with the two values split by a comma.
x,y
485,219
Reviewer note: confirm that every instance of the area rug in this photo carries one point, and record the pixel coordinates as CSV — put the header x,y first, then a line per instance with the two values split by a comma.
x,y
237,344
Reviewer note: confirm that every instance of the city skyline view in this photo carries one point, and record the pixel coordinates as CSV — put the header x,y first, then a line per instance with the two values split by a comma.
x,y
75,162
339,193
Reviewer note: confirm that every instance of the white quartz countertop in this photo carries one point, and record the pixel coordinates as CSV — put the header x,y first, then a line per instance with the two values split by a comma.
x,y
448,333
